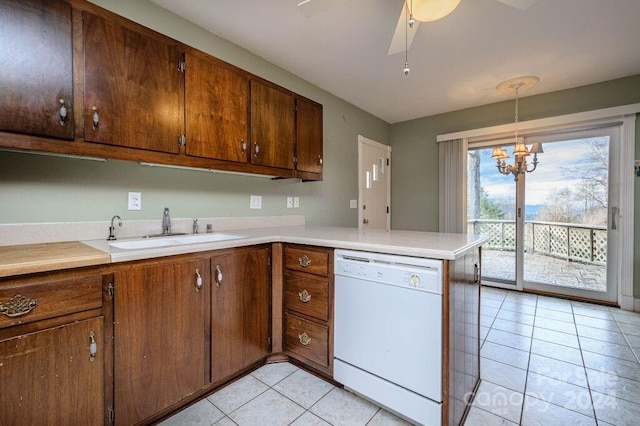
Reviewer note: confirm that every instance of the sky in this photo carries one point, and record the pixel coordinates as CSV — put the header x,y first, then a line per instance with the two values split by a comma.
x,y
550,175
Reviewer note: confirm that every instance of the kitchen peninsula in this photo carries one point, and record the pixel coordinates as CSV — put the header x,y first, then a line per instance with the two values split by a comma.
x,y
110,323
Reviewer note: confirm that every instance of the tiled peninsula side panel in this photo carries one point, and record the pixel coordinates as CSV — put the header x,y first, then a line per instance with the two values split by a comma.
x,y
463,335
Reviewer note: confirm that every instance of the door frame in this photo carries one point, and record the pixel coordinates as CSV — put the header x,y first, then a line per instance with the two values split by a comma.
x,y
362,141
613,202
623,116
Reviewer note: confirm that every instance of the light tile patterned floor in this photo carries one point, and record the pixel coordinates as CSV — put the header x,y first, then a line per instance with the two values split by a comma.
x,y
545,361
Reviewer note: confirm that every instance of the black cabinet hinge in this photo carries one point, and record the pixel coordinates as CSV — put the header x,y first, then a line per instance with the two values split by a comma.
x,y
268,261
181,66
387,209
388,161
111,291
112,415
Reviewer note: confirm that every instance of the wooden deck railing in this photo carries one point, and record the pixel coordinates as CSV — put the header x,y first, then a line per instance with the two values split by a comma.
x,y
570,241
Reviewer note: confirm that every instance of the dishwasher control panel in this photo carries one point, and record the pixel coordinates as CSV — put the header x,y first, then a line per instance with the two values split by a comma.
x,y
409,272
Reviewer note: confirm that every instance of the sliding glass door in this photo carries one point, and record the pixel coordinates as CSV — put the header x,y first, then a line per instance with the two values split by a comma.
x,y
554,229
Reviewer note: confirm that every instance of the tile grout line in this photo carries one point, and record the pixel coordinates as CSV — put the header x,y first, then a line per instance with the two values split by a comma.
x,y
584,368
526,379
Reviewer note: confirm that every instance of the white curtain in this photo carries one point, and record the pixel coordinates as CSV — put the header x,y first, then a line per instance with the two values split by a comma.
x,y
452,185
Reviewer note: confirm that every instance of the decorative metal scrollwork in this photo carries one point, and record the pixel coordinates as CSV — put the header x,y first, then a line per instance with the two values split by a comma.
x,y
304,296
18,305
304,261
304,339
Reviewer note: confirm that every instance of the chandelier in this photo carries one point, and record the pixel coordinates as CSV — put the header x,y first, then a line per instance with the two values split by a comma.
x,y
520,150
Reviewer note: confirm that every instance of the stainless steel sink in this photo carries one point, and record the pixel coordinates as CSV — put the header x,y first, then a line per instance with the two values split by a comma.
x,y
173,241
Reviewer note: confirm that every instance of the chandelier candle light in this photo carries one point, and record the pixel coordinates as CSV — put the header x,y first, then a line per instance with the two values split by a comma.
x,y
520,151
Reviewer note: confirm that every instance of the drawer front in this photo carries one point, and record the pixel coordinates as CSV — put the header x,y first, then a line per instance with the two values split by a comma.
x,y
25,301
307,339
307,296
313,261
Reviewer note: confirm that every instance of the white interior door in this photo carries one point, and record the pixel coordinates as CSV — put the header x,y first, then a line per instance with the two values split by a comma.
x,y
374,184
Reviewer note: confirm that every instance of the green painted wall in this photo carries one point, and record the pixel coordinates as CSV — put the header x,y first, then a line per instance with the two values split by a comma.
x,y
414,184
37,188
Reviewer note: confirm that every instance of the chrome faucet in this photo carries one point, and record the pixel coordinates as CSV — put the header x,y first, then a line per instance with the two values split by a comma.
x,y
112,228
166,221
195,226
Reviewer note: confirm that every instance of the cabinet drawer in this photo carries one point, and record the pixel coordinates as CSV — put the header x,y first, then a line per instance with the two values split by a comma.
x,y
307,339
305,259
27,300
307,296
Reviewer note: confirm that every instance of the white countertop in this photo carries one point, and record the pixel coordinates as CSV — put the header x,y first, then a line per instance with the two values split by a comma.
x,y
432,245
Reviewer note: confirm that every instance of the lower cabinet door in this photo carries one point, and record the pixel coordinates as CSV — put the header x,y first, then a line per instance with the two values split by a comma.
x,y
51,378
241,288
160,328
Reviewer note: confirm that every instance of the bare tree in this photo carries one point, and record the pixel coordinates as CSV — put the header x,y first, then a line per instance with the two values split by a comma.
x,y
559,207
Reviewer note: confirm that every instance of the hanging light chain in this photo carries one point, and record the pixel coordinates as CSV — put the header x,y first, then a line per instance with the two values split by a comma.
x,y
409,17
517,87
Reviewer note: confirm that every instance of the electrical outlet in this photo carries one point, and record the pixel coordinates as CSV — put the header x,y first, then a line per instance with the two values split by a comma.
x,y
289,202
255,202
135,201
296,202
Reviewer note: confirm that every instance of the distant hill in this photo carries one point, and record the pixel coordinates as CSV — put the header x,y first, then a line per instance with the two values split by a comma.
x,y
531,211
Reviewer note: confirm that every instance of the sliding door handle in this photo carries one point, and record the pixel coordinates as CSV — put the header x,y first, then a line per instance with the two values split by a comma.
x,y
614,218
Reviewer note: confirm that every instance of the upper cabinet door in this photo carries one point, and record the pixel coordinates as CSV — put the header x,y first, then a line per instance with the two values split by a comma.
x,y
272,126
217,110
309,136
134,91
36,62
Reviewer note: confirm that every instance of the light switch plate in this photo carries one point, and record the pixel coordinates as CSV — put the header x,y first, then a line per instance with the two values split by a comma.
x,y
296,202
353,204
289,202
135,201
255,202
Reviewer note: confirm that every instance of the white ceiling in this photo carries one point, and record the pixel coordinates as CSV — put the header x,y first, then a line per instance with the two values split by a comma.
x,y
455,62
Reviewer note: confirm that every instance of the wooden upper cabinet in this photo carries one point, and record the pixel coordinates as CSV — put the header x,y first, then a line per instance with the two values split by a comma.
x,y
309,136
272,126
217,108
36,64
133,86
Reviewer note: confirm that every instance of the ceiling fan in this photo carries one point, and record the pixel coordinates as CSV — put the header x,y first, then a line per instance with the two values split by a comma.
x,y
430,10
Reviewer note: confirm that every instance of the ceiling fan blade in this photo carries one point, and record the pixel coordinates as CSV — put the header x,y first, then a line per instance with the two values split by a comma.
x,y
400,39
312,7
519,4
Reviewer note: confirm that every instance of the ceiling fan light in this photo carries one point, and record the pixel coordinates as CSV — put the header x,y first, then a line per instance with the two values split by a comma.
x,y
432,10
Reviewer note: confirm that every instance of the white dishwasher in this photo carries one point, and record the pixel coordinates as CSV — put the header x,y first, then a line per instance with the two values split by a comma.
x,y
388,332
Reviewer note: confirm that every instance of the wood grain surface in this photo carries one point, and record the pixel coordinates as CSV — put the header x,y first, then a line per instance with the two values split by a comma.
x,y
31,258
